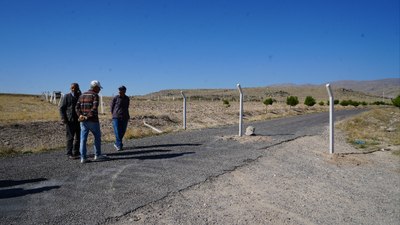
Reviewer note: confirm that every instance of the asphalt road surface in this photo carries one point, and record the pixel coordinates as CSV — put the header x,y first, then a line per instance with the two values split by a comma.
x,y
47,188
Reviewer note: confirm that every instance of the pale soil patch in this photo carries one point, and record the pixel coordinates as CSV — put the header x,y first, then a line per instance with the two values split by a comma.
x,y
246,139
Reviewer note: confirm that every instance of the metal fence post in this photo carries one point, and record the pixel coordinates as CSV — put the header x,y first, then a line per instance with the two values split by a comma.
x,y
331,119
184,110
101,104
240,110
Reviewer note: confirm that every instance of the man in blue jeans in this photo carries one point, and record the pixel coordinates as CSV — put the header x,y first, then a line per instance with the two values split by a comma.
x,y
120,116
87,110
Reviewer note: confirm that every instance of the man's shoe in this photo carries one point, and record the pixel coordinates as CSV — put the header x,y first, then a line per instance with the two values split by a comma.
x,y
100,157
73,157
117,148
84,161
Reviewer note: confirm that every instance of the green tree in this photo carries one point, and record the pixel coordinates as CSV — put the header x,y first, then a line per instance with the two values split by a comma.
x,y
309,101
378,103
396,101
292,100
354,103
267,102
344,103
349,102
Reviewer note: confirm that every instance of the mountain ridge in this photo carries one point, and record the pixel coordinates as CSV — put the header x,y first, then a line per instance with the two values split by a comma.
x,y
385,88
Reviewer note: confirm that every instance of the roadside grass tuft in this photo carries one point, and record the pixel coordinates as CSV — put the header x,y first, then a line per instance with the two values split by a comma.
x,y
373,129
4,151
396,153
133,133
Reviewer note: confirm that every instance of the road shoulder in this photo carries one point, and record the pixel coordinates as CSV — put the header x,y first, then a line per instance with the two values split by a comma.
x,y
297,182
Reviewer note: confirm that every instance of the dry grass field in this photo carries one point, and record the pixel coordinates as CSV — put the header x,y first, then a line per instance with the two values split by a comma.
x,y
25,108
29,123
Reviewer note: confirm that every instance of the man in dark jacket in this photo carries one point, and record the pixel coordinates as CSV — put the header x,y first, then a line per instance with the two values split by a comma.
x,y
120,116
70,119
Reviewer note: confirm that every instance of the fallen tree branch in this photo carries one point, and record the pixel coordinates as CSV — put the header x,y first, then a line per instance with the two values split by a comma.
x,y
155,129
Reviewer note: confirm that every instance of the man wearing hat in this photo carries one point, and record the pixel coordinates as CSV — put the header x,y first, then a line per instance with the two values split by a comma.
x,y
70,119
87,110
120,116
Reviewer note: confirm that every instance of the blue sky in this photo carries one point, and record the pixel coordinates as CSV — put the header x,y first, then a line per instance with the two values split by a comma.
x,y
154,45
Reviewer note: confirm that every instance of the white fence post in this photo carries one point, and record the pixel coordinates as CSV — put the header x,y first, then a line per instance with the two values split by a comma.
x,y
240,110
101,104
54,98
184,110
331,119
61,98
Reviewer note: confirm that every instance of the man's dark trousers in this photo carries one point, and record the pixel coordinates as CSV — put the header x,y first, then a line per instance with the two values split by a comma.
x,y
73,132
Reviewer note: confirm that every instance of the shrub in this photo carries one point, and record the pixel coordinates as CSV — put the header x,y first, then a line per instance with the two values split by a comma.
x,y
321,103
269,101
349,102
335,102
378,103
226,103
309,101
396,101
354,103
292,100
344,103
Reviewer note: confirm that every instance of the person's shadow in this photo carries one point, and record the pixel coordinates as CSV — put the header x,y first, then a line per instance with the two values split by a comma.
x,y
136,155
162,146
18,192
140,152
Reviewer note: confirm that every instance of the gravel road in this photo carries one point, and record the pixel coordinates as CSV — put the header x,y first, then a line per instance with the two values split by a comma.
x,y
281,176
293,183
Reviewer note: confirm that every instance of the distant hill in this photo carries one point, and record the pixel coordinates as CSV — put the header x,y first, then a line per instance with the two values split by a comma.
x,y
368,91
387,87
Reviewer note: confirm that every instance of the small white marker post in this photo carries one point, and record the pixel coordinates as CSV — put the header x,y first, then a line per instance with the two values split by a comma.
x,y
184,110
331,119
61,98
102,104
240,110
54,101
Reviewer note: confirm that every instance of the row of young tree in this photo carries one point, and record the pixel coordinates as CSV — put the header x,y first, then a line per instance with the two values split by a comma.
x,y
310,101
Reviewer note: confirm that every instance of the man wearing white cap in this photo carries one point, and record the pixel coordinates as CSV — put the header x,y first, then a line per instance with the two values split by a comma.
x,y
87,110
